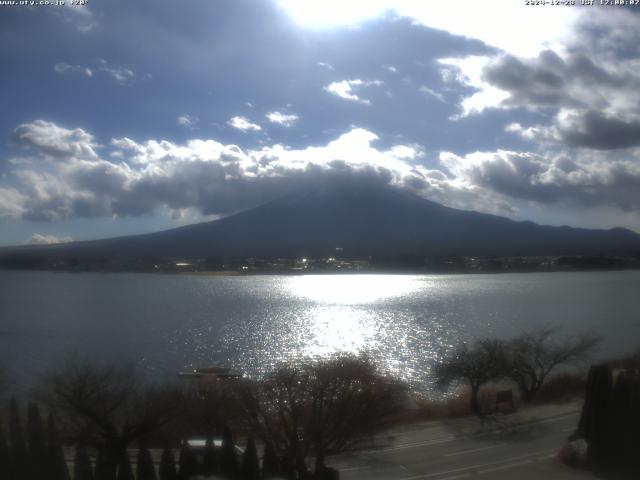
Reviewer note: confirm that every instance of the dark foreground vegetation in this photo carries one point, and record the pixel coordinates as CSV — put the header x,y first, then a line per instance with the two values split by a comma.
x,y
295,417
110,422
610,419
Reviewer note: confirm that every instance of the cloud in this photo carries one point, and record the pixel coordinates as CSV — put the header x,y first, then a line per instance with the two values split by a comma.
x,y
243,124
54,141
429,91
187,121
590,180
40,239
588,89
286,120
346,89
64,177
326,65
527,30
63,68
121,75
136,178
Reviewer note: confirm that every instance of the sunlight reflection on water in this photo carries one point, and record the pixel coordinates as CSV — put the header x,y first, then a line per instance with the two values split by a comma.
x,y
252,323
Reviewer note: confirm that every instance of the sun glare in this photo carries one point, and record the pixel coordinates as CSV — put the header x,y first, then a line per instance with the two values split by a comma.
x,y
333,13
351,289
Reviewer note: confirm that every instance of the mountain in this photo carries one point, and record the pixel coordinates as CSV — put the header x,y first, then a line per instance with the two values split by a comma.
x,y
362,221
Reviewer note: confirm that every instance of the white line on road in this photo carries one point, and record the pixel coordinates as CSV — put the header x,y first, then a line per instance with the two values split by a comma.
x,y
476,467
505,466
414,445
473,450
456,477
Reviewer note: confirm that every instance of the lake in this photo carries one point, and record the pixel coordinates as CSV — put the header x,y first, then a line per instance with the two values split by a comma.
x,y
406,322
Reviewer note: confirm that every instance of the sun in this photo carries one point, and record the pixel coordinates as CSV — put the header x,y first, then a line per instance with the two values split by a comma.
x,y
333,13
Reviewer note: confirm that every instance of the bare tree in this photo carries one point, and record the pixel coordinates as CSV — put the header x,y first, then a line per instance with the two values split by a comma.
x,y
534,355
109,404
320,408
477,364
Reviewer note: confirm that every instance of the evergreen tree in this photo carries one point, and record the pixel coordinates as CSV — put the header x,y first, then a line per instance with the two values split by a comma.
x,y
619,419
82,465
145,469
287,468
103,470
250,462
168,465
596,414
270,464
19,455
37,443
5,456
188,463
228,458
210,464
56,464
125,472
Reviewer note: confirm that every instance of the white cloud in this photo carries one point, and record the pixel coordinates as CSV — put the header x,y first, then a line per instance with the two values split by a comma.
x,y
135,178
54,141
432,93
63,68
121,75
40,239
468,72
286,120
326,65
506,24
64,177
188,121
243,123
346,89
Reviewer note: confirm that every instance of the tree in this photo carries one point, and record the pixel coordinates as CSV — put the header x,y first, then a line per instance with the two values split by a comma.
x,y
82,465
482,362
19,454
534,355
145,469
112,402
103,469
228,456
125,472
270,464
5,456
188,463
250,462
56,463
37,444
210,464
319,408
167,470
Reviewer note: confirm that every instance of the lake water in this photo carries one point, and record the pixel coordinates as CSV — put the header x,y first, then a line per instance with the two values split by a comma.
x,y
405,322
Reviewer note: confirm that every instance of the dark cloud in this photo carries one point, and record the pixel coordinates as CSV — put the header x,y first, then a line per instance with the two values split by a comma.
x,y
62,177
592,182
601,132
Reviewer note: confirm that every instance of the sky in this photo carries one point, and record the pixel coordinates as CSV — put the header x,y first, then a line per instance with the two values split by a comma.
x,y
122,117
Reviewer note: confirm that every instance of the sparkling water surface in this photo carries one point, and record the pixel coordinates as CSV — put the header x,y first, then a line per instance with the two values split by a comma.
x,y
405,322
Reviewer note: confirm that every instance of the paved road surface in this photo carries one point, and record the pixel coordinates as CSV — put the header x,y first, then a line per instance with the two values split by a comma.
x,y
506,447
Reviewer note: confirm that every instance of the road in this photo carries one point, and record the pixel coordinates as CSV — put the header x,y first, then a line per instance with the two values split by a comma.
x,y
503,447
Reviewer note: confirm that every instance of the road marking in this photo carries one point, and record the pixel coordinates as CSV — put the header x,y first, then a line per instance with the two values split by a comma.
x,y
456,477
355,469
476,467
473,450
505,466
413,445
